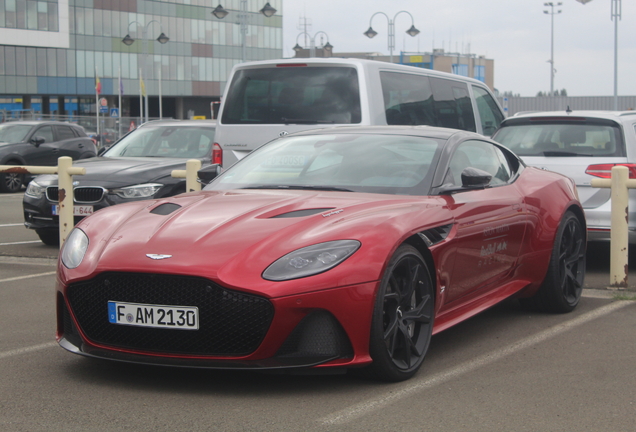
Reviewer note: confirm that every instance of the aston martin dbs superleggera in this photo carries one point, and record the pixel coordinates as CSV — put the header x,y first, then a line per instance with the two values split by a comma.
x,y
334,248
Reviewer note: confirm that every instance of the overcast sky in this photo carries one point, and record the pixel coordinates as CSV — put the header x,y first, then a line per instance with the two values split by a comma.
x,y
514,33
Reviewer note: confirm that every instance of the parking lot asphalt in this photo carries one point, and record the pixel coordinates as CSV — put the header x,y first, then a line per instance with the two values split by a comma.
x,y
506,369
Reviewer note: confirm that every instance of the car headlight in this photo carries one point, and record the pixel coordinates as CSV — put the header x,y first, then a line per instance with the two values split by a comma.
x,y
138,191
311,260
74,248
35,190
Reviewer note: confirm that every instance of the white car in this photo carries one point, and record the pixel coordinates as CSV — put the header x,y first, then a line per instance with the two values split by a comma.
x,y
582,145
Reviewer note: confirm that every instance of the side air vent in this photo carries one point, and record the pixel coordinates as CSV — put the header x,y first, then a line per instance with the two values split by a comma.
x,y
435,235
302,213
165,209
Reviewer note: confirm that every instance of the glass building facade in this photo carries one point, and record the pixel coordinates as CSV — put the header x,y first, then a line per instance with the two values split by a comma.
x,y
52,50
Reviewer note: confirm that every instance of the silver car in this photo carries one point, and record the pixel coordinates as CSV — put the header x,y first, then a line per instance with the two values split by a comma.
x,y
582,145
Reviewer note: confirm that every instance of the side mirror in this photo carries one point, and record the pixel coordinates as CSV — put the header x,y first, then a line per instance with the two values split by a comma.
x,y
209,173
37,140
472,179
102,150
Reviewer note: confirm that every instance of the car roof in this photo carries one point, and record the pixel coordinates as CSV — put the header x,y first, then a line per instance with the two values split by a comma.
x,y
41,122
422,131
618,116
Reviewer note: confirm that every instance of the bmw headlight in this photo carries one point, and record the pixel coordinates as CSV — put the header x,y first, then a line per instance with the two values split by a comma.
x,y
35,190
311,260
74,248
138,191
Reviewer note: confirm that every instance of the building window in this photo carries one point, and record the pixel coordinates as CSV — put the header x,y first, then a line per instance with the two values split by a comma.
x,y
460,69
480,73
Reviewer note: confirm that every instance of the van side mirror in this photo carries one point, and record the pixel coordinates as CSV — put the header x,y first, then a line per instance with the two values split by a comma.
x,y
37,140
209,173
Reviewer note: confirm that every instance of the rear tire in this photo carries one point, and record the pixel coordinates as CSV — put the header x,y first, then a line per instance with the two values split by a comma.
x,y
561,289
402,317
11,182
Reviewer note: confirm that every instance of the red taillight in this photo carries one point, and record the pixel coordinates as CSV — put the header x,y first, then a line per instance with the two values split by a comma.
x,y
605,170
217,154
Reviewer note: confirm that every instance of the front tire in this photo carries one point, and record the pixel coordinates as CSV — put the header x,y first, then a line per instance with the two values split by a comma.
x,y
562,287
402,317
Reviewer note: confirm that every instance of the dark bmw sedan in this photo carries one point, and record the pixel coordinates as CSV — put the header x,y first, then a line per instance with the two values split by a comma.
x,y
39,143
138,167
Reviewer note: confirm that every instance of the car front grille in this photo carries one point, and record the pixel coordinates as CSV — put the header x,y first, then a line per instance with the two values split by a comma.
x,y
84,195
230,323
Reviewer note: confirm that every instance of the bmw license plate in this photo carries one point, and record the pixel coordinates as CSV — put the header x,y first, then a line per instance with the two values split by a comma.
x,y
77,210
157,316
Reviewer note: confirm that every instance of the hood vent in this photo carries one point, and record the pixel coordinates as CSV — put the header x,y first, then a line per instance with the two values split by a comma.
x,y
435,235
165,209
302,213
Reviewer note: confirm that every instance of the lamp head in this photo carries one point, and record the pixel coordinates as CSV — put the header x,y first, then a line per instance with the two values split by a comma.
x,y
219,12
370,33
267,10
412,31
162,39
127,40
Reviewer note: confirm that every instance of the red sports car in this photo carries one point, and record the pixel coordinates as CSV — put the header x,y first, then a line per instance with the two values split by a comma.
x,y
334,248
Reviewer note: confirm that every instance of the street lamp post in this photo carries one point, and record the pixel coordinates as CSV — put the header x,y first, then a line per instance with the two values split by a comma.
x,y
243,17
552,13
162,39
616,15
411,31
312,43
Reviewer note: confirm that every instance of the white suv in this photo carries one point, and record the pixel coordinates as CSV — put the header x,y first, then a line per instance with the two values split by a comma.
x,y
582,145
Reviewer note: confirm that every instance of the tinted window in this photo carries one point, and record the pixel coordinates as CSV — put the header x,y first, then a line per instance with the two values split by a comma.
x,y
45,132
565,139
489,112
64,133
308,95
419,100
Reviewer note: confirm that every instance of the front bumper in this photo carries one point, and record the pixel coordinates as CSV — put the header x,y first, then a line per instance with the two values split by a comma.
x,y
322,329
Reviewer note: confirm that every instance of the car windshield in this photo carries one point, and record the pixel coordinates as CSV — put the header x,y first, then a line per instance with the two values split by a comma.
x,y
562,139
171,141
13,133
390,164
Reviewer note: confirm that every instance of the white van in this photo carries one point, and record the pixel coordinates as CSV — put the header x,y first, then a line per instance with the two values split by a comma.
x,y
267,99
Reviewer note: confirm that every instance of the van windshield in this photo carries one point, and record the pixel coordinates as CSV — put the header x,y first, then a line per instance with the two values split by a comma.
x,y
293,95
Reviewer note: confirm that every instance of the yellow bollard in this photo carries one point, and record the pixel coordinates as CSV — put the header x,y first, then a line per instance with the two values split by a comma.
x,y
619,237
190,174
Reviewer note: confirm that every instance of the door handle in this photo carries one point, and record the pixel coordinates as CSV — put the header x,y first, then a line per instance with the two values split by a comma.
x,y
81,145
56,150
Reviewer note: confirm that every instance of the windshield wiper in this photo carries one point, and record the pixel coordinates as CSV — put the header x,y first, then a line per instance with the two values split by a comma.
x,y
299,187
305,121
564,153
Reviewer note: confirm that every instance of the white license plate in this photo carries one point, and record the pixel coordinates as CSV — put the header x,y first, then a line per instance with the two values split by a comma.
x,y
158,316
77,210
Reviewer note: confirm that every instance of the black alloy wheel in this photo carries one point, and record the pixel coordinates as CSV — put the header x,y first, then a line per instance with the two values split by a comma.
x,y
563,285
11,182
403,317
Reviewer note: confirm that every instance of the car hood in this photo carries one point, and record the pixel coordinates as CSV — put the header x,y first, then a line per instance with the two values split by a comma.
x,y
233,236
112,172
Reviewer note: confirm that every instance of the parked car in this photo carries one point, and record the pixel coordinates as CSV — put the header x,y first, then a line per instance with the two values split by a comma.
x,y
39,143
581,145
327,249
138,167
266,99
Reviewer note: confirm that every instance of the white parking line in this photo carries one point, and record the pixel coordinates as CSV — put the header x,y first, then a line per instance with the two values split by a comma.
x,y
27,277
355,411
16,243
26,350
11,225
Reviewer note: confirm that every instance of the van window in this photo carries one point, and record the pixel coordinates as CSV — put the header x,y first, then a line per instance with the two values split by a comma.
x,y
302,95
411,99
489,112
